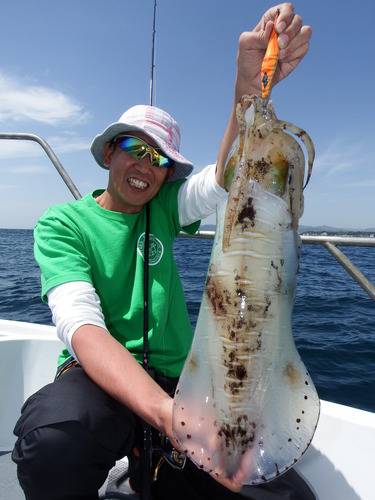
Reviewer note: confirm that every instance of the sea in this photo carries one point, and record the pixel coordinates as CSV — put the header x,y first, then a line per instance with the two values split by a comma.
x,y
333,318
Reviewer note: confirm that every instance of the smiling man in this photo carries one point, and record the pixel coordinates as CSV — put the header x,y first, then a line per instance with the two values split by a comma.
x,y
90,253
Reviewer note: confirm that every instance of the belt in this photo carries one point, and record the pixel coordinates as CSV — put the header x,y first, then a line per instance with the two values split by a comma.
x,y
67,365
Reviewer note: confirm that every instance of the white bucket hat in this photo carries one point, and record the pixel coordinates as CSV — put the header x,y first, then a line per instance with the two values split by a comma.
x,y
154,122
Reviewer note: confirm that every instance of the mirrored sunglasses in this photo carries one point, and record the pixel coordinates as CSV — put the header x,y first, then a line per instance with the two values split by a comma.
x,y
138,149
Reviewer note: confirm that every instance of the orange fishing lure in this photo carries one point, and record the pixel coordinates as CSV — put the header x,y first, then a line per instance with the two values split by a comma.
x,y
269,63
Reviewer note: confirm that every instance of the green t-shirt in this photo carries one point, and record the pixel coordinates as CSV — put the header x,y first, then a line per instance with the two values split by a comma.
x,y
81,241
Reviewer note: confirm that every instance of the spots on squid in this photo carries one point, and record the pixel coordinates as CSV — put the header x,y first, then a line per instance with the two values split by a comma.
x,y
301,134
268,303
278,276
238,372
262,168
291,374
240,433
247,214
216,296
183,423
188,436
192,364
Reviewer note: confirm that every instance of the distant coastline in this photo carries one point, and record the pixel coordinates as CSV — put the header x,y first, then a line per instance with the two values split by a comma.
x,y
320,231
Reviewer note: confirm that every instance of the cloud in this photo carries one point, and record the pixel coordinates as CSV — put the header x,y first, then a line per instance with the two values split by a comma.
x,y
20,101
16,149
69,144
341,156
369,183
28,169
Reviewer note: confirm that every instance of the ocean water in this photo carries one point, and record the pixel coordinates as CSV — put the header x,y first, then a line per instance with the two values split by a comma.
x,y
333,319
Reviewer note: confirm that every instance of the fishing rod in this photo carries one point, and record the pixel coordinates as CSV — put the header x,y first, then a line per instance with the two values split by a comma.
x,y
153,57
147,430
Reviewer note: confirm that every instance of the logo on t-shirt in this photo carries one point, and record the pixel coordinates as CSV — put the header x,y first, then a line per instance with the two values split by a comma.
x,y
156,248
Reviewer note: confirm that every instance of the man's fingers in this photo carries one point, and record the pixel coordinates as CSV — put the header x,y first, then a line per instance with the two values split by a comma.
x,y
285,16
295,59
288,35
293,49
284,13
251,40
287,66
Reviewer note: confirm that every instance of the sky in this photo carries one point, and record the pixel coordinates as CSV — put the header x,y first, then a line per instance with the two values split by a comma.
x,y
68,69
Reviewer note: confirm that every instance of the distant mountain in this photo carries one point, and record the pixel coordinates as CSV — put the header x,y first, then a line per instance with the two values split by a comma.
x,y
311,229
208,227
330,229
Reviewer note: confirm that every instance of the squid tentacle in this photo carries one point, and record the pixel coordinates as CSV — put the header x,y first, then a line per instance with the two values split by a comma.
x,y
306,139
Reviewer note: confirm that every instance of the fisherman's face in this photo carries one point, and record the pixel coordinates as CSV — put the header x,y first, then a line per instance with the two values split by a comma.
x,y
132,183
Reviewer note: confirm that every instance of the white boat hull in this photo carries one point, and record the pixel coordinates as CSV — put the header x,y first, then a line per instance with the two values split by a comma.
x,y
338,465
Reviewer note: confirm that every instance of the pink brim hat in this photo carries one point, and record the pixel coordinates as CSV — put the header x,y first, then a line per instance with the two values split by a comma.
x,y
158,125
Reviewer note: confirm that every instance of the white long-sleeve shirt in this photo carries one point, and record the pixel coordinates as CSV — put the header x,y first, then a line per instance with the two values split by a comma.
x,y
76,303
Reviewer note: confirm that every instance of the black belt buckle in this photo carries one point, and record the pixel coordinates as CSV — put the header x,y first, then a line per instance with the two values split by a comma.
x,y
173,457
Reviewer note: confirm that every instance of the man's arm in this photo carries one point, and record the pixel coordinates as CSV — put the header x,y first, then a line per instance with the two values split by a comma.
x,y
294,43
115,370
80,325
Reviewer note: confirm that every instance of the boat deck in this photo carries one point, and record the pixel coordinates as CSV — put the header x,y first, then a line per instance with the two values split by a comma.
x,y
11,490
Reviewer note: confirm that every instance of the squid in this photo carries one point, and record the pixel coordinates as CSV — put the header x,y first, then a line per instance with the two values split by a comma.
x,y
245,400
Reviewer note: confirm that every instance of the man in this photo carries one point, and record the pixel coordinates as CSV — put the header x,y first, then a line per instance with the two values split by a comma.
x,y
91,258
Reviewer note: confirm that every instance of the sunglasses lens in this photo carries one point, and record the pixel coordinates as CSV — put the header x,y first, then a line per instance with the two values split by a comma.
x,y
139,149
165,162
132,146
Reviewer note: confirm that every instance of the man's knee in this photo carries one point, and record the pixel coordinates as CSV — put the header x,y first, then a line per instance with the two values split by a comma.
x,y
49,456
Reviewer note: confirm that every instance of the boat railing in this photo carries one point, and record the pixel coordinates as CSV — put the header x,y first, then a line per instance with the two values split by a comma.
x,y
329,242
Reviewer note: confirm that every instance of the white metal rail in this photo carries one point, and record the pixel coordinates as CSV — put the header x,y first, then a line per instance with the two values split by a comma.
x,y
329,242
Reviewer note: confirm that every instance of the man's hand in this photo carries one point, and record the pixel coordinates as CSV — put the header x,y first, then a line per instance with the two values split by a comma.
x,y
293,42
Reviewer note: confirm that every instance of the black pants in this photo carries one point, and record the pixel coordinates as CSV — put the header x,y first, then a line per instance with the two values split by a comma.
x,y
70,434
